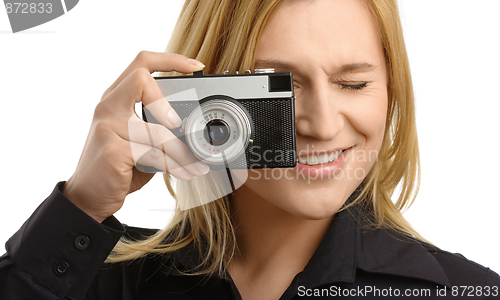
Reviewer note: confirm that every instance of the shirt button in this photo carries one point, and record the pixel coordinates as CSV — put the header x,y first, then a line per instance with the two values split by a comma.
x,y
61,268
82,242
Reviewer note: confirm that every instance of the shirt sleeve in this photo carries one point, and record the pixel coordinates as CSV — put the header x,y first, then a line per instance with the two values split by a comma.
x,y
57,252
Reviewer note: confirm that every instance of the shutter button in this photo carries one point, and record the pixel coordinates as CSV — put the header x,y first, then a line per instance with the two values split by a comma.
x,y
61,268
82,242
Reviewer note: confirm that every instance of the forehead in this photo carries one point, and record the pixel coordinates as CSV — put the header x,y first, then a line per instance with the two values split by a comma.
x,y
322,32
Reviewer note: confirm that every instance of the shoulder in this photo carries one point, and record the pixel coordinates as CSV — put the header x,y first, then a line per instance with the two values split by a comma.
x,y
462,271
385,250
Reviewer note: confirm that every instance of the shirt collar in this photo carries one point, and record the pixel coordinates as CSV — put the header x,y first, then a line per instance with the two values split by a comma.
x,y
334,259
386,251
352,242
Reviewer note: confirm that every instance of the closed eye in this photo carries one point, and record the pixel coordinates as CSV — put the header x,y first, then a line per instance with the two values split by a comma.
x,y
353,86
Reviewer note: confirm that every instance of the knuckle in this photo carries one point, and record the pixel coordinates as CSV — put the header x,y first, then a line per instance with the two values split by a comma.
x,y
141,77
143,56
160,134
101,110
155,153
102,127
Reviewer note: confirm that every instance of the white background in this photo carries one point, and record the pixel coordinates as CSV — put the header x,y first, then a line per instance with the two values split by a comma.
x,y
52,76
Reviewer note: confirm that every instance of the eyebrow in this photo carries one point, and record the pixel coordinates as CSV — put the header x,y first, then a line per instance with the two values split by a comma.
x,y
347,68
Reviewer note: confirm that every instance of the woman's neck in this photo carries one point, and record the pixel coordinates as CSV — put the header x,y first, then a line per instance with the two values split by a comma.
x,y
270,238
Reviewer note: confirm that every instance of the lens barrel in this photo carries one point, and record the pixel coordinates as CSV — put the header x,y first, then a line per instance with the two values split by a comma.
x,y
219,130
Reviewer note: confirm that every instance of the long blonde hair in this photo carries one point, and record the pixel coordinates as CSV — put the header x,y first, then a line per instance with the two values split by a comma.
x,y
224,34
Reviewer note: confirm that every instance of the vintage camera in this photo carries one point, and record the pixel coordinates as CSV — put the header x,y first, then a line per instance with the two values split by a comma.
x,y
237,121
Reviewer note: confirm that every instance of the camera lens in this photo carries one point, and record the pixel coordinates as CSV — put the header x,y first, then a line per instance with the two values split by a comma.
x,y
217,132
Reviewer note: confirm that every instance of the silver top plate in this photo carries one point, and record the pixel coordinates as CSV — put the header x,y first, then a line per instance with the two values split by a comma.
x,y
237,87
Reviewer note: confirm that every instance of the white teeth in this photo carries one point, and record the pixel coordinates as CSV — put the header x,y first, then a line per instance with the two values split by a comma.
x,y
320,159
312,160
323,158
334,155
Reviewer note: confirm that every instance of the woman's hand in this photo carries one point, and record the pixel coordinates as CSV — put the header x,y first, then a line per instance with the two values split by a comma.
x,y
119,139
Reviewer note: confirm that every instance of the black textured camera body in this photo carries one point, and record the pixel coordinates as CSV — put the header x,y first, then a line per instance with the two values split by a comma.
x,y
252,116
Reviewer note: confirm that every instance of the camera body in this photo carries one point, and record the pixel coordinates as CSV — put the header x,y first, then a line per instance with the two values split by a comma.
x,y
237,121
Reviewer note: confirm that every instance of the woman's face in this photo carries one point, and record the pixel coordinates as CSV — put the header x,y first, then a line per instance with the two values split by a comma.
x,y
334,52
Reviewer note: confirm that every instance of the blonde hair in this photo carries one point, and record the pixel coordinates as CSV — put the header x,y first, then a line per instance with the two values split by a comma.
x,y
224,34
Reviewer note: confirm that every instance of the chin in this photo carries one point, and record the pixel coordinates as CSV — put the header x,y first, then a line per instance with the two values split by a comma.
x,y
318,200
315,215
313,208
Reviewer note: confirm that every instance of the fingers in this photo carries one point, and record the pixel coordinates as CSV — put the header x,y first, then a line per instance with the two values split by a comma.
x,y
163,140
141,86
152,157
157,61
147,140
162,112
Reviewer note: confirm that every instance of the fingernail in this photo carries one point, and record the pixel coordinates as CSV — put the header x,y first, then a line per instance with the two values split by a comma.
x,y
202,167
174,118
196,63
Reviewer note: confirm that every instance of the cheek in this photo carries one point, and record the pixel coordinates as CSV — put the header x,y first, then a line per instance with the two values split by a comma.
x,y
368,116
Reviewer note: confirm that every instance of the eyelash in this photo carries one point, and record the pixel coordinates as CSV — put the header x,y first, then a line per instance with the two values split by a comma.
x,y
355,87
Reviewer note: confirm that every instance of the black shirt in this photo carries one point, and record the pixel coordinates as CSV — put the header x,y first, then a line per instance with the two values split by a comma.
x,y
59,252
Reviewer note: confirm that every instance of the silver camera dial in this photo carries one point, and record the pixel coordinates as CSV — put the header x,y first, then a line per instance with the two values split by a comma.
x,y
218,131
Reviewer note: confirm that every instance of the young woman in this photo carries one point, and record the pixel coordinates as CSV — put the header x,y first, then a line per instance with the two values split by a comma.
x,y
324,229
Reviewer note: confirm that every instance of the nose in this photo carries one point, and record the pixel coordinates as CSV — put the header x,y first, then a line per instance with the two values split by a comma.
x,y
317,114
